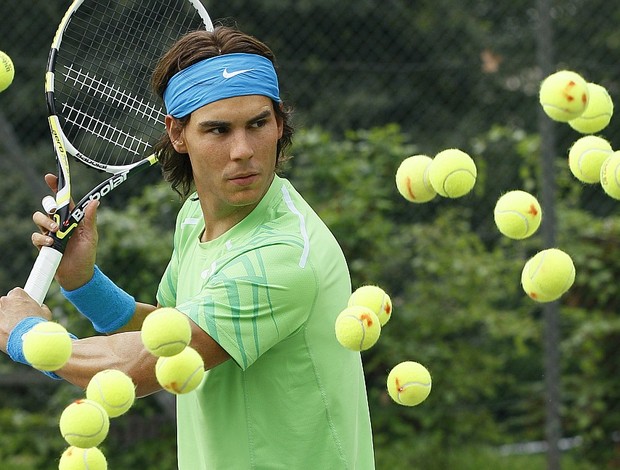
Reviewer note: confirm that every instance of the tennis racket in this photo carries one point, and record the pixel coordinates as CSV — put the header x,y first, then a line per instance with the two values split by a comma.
x,y
101,110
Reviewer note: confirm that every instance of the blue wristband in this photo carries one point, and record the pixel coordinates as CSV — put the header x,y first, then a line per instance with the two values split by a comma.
x,y
106,305
14,346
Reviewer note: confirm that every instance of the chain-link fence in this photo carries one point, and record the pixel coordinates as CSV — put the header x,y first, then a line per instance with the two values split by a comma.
x,y
449,74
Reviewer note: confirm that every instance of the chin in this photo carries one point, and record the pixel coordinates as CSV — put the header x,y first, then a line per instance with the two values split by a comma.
x,y
246,197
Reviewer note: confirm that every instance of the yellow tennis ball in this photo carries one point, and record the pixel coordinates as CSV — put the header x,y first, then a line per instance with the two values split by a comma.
x,y
610,175
412,179
7,71
47,346
180,373
374,298
409,383
84,423
166,332
75,458
452,173
112,389
547,275
530,288
517,214
357,328
597,114
586,156
564,95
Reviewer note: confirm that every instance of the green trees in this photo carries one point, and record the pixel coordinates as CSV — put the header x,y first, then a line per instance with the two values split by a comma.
x,y
458,304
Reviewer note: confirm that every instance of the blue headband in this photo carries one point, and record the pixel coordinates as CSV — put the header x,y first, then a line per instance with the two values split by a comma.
x,y
219,77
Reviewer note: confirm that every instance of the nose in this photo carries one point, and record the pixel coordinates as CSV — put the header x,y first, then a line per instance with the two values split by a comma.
x,y
241,147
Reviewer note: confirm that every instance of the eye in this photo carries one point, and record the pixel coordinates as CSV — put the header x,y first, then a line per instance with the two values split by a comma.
x,y
259,123
218,130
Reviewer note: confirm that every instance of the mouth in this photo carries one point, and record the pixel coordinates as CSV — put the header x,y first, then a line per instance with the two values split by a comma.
x,y
243,179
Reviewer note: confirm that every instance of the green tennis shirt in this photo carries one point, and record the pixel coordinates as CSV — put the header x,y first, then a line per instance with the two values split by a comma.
x,y
269,291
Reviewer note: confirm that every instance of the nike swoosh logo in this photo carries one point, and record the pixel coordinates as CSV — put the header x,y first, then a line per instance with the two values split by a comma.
x,y
227,74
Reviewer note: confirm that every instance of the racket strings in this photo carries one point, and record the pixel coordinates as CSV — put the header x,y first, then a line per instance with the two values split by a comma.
x,y
102,70
127,102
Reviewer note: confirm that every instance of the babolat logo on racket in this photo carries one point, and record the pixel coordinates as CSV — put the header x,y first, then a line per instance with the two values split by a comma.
x,y
98,193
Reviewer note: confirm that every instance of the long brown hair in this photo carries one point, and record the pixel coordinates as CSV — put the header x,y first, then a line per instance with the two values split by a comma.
x,y
192,48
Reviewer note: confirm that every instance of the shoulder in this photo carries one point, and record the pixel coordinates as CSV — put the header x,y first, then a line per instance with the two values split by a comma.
x,y
300,221
189,209
189,220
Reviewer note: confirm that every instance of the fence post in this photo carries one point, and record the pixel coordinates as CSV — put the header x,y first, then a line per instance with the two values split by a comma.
x,y
551,336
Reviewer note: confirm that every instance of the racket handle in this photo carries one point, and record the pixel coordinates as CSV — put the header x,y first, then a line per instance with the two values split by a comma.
x,y
42,273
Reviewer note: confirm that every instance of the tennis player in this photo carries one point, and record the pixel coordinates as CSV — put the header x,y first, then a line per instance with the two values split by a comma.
x,y
254,268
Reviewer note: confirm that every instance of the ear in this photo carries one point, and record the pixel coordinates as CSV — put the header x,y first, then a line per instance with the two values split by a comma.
x,y
175,134
280,122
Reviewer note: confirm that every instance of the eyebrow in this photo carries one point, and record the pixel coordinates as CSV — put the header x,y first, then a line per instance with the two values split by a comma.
x,y
216,123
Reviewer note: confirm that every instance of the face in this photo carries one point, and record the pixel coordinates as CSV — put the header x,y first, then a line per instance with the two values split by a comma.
x,y
232,145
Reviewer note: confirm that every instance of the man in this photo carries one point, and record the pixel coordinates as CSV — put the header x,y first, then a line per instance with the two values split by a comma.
x,y
257,272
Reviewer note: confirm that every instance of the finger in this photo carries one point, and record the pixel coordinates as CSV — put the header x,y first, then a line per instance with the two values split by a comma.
x,y
44,223
17,292
49,205
90,214
52,182
40,240
20,293
46,312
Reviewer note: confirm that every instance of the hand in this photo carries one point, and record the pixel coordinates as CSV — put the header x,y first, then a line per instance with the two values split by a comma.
x,y
76,267
14,307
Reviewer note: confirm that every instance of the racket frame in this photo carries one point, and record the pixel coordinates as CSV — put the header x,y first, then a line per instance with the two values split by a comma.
x,y
66,217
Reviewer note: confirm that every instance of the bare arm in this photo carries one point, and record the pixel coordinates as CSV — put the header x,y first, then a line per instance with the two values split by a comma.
x,y
124,351
135,323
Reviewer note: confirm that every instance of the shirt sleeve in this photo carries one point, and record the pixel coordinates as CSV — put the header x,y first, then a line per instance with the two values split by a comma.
x,y
255,301
167,291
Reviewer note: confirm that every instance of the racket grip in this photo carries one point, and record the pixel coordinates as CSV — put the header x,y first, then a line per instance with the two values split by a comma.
x,y
42,273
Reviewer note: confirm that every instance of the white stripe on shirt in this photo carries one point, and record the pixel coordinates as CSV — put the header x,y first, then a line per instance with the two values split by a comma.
x,y
302,226
190,221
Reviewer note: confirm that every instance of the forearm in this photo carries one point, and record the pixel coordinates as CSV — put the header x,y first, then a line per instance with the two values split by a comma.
x,y
122,351
135,323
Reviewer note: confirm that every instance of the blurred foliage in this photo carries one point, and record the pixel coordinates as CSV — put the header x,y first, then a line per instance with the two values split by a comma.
x,y
458,304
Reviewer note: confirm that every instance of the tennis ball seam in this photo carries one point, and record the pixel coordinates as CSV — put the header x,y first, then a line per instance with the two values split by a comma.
x,y
103,398
518,214
540,289
540,286
409,383
47,349
357,328
169,343
560,93
85,438
599,102
189,378
362,325
180,373
451,174
87,459
412,180
166,332
402,388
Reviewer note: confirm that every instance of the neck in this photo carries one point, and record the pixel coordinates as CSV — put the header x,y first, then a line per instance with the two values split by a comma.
x,y
217,225
220,217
